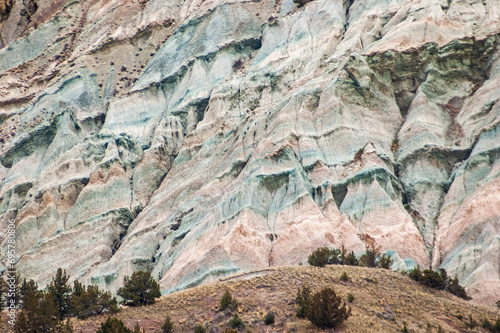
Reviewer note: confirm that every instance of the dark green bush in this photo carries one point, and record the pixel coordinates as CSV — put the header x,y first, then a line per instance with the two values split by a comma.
x,y
301,300
350,259
91,301
415,274
113,325
438,280
325,309
350,298
168,325
227,301
385,261
236,321
344,277
139,289
319,257
269,318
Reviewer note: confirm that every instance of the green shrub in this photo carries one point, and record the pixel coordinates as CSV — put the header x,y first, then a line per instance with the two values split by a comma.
x,y
269,318
498,304
385,261
168,325
350,298
227,301
432,279
319,257
454,287
139,289
415,274
301,300
236,321
344,277
350,259
324,309
199,328
404,329
113,325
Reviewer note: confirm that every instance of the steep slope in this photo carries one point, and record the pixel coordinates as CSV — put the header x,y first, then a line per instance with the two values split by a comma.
x,y
198,139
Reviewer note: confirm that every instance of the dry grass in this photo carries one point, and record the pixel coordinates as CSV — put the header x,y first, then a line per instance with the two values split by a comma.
x,y
383,301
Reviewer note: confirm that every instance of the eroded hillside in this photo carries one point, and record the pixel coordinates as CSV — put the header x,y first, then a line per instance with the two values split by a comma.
x,y
198,139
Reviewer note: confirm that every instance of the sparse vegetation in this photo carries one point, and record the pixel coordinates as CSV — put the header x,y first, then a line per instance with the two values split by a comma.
x,y
236,321
269,318
199,328
438,280
371,258
493,328
472,323
350,297
113,325
139,289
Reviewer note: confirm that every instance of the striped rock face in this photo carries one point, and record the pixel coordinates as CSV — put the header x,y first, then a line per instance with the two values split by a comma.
x,y
196,139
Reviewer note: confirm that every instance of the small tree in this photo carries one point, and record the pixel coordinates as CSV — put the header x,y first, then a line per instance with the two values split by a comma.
x,y
456,289
301,300
269,318
91,301
139,289
350,259
113,325
385,261
319,257
227,301
324,309
168,325
39,314
236,321
60,291
369,259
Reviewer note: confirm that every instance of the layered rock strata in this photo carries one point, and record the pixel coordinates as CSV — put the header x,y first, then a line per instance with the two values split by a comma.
x,y
197,139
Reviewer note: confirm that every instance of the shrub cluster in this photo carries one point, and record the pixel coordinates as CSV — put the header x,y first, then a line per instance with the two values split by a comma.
x,y
371,258
438,280
324,309
139,289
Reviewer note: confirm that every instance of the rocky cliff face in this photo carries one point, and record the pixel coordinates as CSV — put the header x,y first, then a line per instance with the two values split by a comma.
x,y
195,139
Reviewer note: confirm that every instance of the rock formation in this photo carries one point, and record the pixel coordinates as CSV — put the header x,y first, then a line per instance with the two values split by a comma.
x,y
195,139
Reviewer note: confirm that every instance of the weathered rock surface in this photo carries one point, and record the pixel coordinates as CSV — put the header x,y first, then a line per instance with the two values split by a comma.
x,y
197,139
